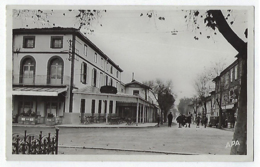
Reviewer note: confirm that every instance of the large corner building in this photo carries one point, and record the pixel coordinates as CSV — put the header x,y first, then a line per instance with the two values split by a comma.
x,y
59,71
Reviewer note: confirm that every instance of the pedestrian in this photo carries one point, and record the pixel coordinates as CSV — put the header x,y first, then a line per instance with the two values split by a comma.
x,y
198,121
179,120
205,121
189,119
158,119
183,120
170,119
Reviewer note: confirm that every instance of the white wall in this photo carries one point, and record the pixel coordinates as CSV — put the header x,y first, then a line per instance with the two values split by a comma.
x,y
129,90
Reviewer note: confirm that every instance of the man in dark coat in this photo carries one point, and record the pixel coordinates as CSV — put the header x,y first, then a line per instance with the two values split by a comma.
x,y
189,119
179,120
170,119
205,121
183,120
198,121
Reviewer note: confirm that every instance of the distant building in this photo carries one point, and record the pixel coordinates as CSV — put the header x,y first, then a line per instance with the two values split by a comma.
x,y
60,72
227,89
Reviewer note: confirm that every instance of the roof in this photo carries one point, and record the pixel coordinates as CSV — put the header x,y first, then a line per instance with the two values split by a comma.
x,y
134,82
215,79
225,70
38,91
62,30
229,67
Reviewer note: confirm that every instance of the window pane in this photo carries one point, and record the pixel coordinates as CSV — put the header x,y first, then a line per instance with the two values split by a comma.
x,y
25,68
59,71
29,43
57,43
53,71
32,68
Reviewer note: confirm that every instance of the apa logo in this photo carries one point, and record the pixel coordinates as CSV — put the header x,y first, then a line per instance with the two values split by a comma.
x,y
233,143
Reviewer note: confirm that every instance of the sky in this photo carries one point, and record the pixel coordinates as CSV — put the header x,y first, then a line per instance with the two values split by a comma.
x,y
146,46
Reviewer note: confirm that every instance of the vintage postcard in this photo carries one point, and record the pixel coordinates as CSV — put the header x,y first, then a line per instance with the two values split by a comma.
x,y
130,83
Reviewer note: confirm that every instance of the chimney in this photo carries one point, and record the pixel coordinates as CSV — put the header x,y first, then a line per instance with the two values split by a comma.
x,y
133,76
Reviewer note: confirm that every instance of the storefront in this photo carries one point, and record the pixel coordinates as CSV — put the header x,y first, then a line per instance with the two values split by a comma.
x,y
38,102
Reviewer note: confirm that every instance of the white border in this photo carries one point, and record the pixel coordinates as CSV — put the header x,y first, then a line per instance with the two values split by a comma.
x,y
157,158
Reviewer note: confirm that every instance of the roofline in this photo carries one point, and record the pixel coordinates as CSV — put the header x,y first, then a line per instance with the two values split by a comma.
x,y
215,79
136,82
61,30
231,65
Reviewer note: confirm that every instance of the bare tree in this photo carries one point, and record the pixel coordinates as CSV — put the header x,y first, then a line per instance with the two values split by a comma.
x,y
163,94
204,85
183,106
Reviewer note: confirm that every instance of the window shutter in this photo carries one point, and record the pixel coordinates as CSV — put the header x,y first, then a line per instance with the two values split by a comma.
x,y
81,72
93,77
87,74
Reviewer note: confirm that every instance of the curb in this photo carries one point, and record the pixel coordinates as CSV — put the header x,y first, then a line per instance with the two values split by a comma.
x,y
33,126
132,150
79,126
136,127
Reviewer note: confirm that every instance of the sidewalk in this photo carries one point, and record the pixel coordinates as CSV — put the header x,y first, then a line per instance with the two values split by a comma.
x,y
93,125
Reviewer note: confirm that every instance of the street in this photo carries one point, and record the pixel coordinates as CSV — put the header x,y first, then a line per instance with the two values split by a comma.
x,y
153,140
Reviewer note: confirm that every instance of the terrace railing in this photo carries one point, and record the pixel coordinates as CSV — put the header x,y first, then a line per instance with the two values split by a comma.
x,y
35,144
40,80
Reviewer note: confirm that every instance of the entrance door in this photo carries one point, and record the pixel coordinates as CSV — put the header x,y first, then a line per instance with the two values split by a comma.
x,y
56,68
56,73
28,72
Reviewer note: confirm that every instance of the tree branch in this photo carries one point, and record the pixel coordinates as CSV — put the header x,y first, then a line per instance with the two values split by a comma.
x,y
227,32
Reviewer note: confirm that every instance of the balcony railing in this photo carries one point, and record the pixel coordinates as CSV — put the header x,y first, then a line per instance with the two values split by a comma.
x,y
40,80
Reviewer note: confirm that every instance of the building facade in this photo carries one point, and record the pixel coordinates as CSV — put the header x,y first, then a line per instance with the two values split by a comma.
x,y
227,89
60,72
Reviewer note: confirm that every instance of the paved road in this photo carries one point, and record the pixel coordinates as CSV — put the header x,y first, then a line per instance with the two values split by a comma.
x,y
157,139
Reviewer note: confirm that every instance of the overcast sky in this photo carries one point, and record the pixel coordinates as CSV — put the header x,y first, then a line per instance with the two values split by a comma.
x,y
147,47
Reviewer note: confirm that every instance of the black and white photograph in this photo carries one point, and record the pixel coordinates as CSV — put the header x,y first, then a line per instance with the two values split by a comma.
x,y
128,82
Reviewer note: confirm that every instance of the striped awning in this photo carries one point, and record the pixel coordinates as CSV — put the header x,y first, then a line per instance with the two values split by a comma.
x,y
38,91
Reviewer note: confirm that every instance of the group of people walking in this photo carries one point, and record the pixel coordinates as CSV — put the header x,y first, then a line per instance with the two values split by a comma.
x,y
184,121
203,121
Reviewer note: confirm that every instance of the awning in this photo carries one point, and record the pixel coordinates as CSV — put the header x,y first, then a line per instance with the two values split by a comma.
x,y
38,91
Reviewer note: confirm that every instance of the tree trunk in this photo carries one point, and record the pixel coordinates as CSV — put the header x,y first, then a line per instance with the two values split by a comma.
x,y
240,133
165,116
161,116
205,106
220,112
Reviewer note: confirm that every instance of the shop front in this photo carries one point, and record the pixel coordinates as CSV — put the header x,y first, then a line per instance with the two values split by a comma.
x,y
38,105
